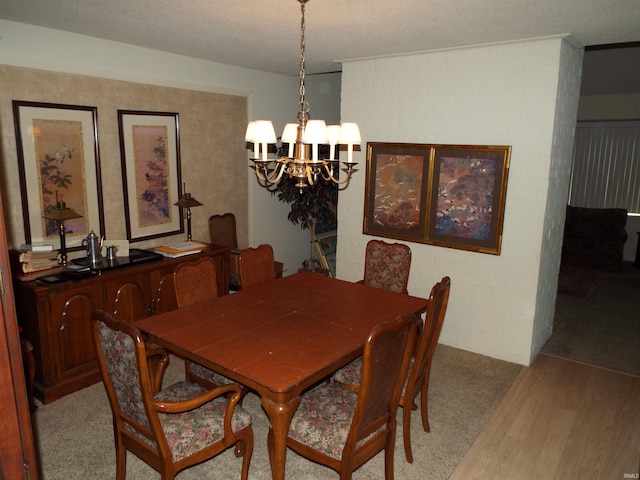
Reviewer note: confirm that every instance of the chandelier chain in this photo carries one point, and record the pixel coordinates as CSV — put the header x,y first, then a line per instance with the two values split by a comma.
x,y
303,105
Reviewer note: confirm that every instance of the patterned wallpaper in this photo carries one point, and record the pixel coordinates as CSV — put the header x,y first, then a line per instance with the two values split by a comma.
x,y
212,127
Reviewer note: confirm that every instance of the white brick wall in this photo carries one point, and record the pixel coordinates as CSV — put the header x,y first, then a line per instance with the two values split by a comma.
x,y
568,98
503,94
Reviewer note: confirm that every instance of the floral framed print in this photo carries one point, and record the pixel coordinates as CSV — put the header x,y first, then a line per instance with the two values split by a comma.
x,y
58,161
396,190
151,177
467,197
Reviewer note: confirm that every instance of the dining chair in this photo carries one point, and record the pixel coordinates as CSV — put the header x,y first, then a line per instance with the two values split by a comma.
x,y
387,265
420,367
341,429
195,282
256,265
222,230
169,429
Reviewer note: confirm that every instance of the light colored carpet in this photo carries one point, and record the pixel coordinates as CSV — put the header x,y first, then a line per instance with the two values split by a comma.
x,y
602,328
74,435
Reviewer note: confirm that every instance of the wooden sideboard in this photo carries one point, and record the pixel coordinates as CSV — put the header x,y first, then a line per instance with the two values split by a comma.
x,y
56,318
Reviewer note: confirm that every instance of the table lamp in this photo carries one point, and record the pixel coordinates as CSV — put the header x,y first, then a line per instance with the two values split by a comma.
x,y
186,202
59,214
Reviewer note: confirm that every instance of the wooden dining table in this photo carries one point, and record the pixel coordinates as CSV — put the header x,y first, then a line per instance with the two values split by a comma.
x,y
280,338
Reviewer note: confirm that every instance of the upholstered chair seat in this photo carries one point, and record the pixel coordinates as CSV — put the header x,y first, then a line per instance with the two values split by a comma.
x,y
198,371
206,424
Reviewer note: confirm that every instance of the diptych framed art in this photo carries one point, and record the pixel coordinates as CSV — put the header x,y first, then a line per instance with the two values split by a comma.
x,y
58,161
151,177
448,195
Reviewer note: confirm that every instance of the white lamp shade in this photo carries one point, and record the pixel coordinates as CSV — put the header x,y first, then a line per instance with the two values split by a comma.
x,y
290,133
333,134
315,132
350,134
263,132
249,135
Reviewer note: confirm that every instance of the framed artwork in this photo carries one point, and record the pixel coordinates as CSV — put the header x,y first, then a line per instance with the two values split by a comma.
x,y
467,197
396,190
151,177
58,160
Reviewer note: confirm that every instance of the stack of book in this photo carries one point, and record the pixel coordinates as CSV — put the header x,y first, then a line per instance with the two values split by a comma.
x,y
180,249
28,264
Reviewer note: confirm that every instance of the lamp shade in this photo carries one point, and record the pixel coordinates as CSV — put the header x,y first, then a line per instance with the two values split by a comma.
x,y
250,134
187,201
290,136
333,134
290,133
263,132
315,132
350,134
61,214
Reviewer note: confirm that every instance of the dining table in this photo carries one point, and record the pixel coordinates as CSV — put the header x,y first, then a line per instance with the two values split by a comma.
x,y
280,338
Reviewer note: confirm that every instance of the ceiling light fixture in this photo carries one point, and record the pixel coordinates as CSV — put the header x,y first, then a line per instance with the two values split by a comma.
x,y
303,161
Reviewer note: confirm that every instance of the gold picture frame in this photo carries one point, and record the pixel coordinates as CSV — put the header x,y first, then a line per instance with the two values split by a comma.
x,y
467,197
446,195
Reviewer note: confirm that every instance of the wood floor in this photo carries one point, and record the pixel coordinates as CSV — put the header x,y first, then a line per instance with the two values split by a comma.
x,y
560,420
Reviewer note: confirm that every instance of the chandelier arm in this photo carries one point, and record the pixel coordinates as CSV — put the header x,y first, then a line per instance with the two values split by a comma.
x,y
258,169
274,177
310,175
330,176
280,169
270,187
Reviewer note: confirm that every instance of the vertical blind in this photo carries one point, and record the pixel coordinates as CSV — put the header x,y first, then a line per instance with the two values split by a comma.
x,y
606,165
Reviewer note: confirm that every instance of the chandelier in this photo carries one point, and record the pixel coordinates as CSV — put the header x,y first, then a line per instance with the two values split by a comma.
x,y
302,162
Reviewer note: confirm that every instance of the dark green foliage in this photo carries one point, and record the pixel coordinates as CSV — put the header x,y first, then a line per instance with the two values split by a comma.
x,y
313,207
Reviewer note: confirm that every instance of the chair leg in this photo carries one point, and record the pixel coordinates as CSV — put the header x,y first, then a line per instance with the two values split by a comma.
x,y
424,404
121,459
246,447
388,457
406,432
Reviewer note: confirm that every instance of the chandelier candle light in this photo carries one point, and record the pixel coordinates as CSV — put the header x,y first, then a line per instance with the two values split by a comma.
x,y
303,161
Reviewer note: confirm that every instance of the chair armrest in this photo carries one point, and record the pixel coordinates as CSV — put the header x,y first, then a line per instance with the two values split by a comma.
x,y
158,361
195,402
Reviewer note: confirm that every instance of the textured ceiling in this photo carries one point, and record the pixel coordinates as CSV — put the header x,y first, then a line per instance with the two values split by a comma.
x,y
265,34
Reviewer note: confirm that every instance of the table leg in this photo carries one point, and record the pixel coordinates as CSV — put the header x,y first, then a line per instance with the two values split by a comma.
x,y
280,415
